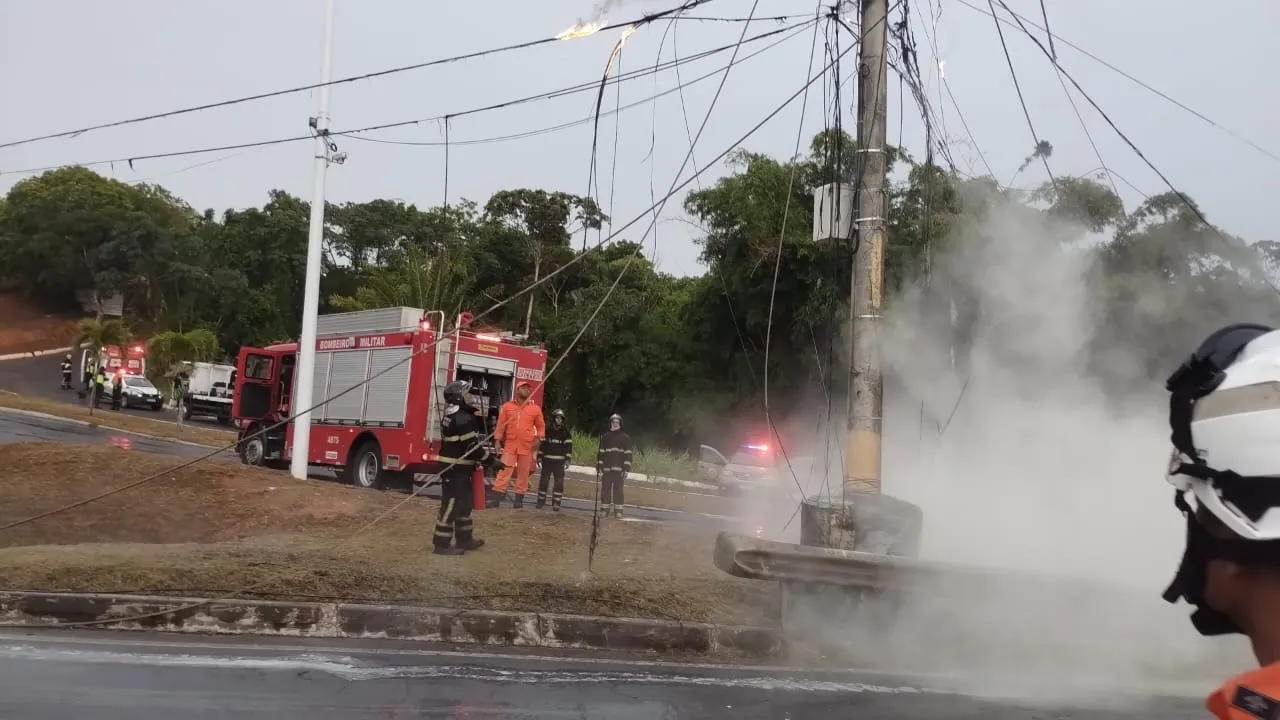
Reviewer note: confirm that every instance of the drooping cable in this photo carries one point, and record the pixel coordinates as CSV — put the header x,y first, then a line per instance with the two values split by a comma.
x,y
1145,86
1017,86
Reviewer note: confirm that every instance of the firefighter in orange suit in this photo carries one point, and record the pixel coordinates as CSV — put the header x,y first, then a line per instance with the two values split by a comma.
x,y
1224,415
520,430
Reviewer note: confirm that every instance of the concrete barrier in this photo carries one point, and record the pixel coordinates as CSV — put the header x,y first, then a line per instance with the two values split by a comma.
x,y
353,620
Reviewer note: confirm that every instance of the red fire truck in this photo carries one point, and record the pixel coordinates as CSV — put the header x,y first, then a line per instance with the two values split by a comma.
x,y
376,391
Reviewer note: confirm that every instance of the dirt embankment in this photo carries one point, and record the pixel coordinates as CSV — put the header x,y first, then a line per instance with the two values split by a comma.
x,y
27,329
219,528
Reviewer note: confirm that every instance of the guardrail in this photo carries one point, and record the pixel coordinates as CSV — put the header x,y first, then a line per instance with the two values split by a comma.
x,y
758,559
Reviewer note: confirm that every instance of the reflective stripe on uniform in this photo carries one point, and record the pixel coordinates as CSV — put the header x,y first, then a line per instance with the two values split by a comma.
x,y
460,438
457,461
553,457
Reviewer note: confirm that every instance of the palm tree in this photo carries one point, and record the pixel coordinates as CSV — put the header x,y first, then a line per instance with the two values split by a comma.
x,y
93,335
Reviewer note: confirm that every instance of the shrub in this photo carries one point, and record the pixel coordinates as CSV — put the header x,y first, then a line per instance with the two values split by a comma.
x,y
651,461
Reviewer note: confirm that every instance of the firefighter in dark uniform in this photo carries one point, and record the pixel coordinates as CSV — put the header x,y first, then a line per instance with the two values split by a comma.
x,y
554,454
613,462
66,372
461,449
117,391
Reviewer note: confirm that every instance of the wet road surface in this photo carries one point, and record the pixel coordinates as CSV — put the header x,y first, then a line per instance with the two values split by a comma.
x,y
126,676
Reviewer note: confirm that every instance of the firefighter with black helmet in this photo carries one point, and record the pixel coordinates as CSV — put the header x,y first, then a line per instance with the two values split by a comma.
x,y
461,450
1224,413
66,372
613,462
554,453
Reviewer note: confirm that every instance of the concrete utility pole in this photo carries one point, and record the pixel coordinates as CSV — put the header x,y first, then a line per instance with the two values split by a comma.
x,y
866,292
302,390
863,519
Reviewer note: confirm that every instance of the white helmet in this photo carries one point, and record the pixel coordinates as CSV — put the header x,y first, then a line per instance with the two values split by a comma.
x,y
1232,463
1224,411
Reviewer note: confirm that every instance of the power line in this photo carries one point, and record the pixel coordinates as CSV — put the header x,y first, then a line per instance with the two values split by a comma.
x,y
1132,146
1145,86
796,29
553,94
1021,100
689,5
1083,125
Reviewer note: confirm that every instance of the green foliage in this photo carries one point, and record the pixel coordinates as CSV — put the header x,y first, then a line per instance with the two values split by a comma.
x,y
650,461
97,334
168,351
680,358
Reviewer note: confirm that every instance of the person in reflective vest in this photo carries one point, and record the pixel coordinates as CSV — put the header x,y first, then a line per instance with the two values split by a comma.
x,y
520,429
613,462
461,449
1224,414
554,453
99,385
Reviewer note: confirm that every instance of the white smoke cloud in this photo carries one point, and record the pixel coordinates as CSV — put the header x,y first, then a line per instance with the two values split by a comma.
x,y
1038,472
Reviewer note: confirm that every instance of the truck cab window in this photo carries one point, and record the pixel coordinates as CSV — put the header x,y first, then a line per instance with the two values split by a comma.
x,y
257,367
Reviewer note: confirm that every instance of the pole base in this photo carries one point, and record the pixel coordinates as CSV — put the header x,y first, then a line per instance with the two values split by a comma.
x,y
865,522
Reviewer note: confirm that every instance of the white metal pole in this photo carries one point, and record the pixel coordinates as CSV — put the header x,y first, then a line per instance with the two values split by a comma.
x,y
311,295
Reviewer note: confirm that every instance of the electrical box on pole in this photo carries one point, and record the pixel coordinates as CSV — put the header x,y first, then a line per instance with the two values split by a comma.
x,y
833,212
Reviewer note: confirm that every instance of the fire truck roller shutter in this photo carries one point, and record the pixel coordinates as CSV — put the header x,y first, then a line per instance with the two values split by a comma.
x,y
388,393
487,365
347,370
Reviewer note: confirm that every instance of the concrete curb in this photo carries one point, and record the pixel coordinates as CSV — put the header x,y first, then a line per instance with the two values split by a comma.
x,y
392,622
641,477
104,426
33,354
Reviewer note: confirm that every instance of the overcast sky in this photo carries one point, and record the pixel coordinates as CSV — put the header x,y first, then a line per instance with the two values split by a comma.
x,y
71,63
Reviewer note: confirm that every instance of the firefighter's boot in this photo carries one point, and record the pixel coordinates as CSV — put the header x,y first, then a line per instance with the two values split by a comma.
x,y
555,505
617,512
447,551
542,500
472,544
518,502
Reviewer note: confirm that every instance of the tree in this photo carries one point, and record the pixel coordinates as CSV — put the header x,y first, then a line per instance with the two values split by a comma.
x,y
544,218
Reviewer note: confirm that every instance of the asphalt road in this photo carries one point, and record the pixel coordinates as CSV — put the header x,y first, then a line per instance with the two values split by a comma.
x,y
40,377
125,676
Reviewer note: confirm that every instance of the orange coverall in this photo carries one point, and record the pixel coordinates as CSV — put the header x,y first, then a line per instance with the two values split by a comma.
x,y
1250,696
520,425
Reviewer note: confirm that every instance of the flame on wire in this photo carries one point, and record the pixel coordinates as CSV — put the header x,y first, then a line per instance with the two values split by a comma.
x,y
580,30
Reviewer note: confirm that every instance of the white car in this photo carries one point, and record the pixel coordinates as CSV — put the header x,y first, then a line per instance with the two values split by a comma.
x,y
140,393
752,467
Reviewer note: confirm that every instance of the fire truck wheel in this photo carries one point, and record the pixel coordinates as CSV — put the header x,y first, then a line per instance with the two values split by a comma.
x,y
364,467
252,451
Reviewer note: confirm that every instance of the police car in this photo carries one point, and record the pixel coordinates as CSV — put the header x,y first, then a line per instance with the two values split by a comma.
x,y
752,467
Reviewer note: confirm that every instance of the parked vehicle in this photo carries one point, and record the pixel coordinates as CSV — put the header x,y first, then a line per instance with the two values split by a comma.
x,y
138,392
208,391
752,467
376,390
